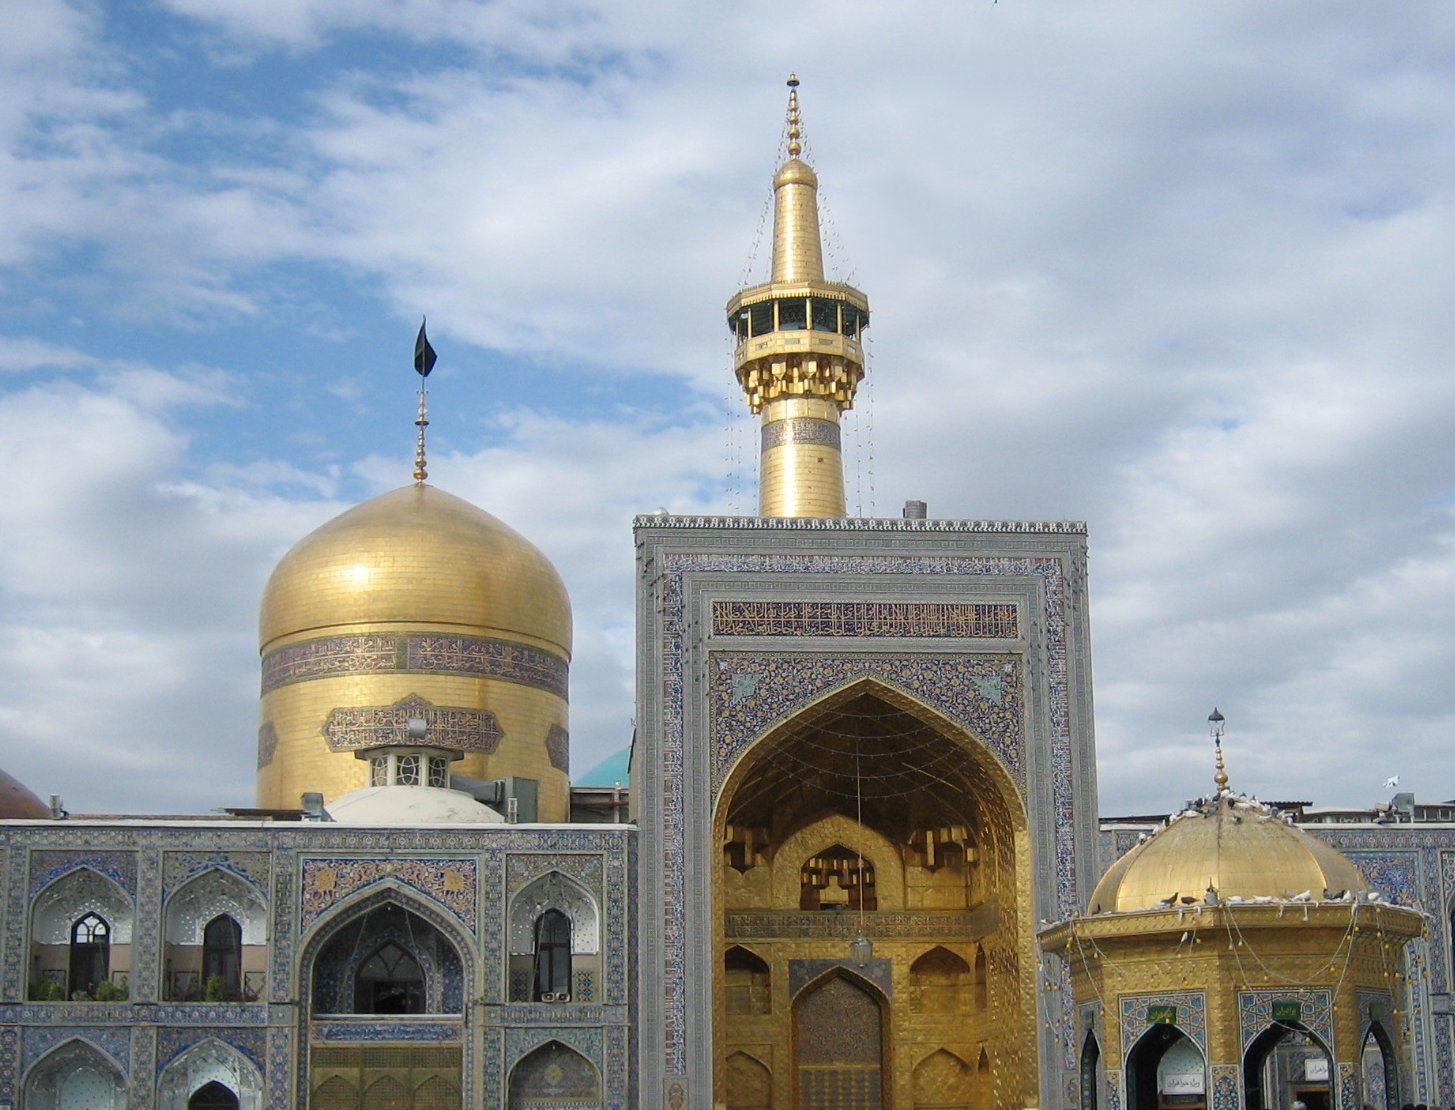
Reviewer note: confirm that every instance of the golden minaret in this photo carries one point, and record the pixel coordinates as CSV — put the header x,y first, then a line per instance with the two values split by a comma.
x,y
799,355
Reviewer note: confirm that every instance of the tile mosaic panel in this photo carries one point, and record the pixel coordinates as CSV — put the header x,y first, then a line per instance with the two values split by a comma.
x,y
327,880
417,653
252,867
1255,1013
9,1062
360,727
558,748
1138,1014
38,1040
523,868
1227,1087
384,1032
173,1041
48,866
674,569
859,619
750,692
801,429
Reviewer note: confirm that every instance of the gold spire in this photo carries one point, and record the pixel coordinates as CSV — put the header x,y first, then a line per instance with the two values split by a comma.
x,y
421,422
799,356
1215,722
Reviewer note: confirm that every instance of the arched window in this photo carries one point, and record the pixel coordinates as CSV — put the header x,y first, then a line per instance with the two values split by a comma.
x,y
389,982
90,953
552,977
213,1096
222,956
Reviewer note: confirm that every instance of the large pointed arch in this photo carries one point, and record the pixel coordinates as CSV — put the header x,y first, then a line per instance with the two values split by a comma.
x,y
79,1069
211,1061
935,813
391,896
840,1041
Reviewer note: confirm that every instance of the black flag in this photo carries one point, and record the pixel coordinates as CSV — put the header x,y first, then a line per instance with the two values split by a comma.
x,y
424,356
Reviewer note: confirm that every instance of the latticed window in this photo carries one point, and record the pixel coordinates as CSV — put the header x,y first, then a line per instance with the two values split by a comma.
x,y
389,982
407,772
439,771
379,771
552,957
222,954
90,953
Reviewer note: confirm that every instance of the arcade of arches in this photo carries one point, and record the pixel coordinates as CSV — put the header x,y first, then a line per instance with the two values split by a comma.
x,y
868,817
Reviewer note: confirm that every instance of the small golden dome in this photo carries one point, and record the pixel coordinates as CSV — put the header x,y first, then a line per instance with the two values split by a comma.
x,y
416,556
795,171
17,803
1239,847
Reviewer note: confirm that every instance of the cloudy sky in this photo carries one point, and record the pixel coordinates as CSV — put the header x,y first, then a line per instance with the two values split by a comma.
x,y
1182,271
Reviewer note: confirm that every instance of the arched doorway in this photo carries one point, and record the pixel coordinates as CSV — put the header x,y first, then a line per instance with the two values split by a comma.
x,y
212,1096
869,816
1165,1069
1089,1082
1284,1064
838,1045
1379,1072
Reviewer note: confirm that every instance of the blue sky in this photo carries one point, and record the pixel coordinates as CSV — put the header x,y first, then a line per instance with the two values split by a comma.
x,y
1179,271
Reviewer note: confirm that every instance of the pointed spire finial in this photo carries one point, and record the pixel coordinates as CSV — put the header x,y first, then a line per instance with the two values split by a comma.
x,y
424,360
1215,721
795,130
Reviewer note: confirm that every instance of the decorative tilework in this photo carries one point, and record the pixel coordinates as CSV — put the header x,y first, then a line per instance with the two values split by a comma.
x,y
1114,1077
980,693
38,1040
522,869
907,619
862,524
1191,1007
1348,1087
386,1031
1393,874
267,744
358,728
419,653
672,571
173,1041
252,867
558,748
327,880
801,429
46,867
9,1062
1255,1013
1227,1087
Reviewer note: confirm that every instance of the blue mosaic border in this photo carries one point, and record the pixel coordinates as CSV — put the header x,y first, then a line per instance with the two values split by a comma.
x,y
676,566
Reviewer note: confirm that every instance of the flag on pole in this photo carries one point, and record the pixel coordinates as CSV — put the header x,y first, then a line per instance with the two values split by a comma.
x,y
424,356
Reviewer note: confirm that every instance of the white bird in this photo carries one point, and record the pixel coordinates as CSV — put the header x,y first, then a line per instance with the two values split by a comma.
x,y
1302,896
1391,782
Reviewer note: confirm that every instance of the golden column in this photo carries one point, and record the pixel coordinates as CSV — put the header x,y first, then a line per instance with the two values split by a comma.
x,y
799,355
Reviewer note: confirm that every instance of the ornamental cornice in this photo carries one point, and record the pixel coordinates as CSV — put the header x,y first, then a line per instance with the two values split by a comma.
x,y
860,524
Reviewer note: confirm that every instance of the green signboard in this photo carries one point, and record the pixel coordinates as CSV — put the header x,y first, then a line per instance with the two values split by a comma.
x,y
1286,1009
1161,1015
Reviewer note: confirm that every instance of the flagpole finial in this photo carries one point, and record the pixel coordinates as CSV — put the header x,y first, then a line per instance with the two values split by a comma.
x,y
424,360
795,127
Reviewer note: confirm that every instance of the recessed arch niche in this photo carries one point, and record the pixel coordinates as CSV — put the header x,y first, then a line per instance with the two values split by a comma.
x,y
868,785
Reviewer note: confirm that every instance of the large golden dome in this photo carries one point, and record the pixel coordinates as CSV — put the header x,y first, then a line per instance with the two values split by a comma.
x,y
414,605
1239,847
416,555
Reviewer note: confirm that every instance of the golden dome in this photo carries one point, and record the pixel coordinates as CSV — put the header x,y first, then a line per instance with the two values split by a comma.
x,y
416,556
1239,847
795,171
17,803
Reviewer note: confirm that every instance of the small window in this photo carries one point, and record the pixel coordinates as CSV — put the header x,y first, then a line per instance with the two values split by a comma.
x,y
738,324
854,321
793,314
552,980
760,318
407,771
222,955
825,315
390,982
379,771
439,771
90,954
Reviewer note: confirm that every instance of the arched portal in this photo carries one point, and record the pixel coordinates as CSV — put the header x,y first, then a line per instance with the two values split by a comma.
x,y
1284,1064
554,1075
1090,1084
1166,1066
870,816
1379,1071
75,1076
838,1045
